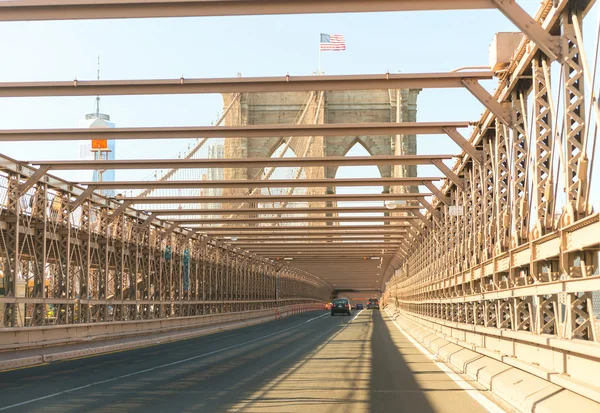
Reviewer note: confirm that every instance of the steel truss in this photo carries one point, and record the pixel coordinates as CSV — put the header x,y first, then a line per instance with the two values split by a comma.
x,y
69,261
511,261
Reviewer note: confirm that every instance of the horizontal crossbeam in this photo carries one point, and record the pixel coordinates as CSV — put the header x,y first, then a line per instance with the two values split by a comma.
x,y
246,131
32,10
267,183
185,221
261,199
241,162
297,231
269,211
317,243
240,84
316,238
347,229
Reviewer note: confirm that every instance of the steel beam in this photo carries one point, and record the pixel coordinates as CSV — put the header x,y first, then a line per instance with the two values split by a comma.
x,y
379,231
82,198
33,179
262,199
488,100
308,247
240,84
464,144
246,131
148,220
241,162
343,229
270,183
190,221
270,211
320,238
35,10
316,244
547,43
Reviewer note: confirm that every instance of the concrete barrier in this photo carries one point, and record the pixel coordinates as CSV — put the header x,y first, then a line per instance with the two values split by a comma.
x,y
25,347
525,391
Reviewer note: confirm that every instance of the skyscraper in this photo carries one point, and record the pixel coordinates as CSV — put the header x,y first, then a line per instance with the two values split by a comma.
x,y
99,120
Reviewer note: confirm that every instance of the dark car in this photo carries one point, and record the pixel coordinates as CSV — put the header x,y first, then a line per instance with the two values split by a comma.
x,y
360,307
340,305
373,304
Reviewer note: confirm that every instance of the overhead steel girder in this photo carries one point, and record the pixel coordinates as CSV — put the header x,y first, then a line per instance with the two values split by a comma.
x,y
271,198
270,183
34,10
317,237
244,162
33,179
190,221
488,100
386,232
323,248
270,211
316,244
245,131
240,84
372,229
546,42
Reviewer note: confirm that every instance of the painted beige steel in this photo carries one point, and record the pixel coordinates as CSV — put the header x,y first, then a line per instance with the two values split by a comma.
x,y
31,10
271,183
240,84
323,218
244,162
288,211
118,280
248,131
271,198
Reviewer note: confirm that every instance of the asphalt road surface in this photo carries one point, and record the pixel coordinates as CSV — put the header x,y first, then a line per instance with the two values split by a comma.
x,y
307,363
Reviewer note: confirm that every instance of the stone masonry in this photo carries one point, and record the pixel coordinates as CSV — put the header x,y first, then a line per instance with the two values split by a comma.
x,y
334,107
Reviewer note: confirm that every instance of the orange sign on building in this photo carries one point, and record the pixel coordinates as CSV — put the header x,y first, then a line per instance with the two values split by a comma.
x,y
99,144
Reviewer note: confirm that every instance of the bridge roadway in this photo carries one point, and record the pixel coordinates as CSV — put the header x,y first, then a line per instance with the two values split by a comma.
x,y
310,362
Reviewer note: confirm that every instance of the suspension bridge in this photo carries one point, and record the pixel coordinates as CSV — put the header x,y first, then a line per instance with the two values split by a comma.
x,y
214,272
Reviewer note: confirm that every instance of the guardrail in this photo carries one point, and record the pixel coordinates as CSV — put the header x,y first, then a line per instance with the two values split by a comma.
x,y
19,338
566,363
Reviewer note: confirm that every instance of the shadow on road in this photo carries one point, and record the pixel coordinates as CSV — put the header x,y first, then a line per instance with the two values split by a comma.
x,y
393,387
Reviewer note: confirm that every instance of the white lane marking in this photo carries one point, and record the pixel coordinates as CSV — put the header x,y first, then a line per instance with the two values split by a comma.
x,y
37,399
357,314
471,391
322,315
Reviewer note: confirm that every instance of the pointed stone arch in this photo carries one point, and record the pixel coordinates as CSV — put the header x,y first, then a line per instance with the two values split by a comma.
x,y
338,107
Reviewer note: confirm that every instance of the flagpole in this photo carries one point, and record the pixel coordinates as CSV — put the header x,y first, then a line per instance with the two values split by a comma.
x,y
319,72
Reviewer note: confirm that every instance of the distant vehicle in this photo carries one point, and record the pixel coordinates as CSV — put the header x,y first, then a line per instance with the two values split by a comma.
x,y
328,306
373,304
360,307
340,305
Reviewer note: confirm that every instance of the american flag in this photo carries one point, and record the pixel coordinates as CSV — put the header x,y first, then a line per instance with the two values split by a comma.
x,y
333,42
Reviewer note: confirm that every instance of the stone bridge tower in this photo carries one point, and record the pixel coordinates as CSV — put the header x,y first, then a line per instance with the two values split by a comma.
x,y
321,107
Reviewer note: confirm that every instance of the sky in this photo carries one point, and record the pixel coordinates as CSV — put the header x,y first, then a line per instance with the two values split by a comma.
x,y
223,47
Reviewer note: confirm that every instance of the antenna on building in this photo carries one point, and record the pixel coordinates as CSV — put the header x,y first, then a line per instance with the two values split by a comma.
x,y
98,97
